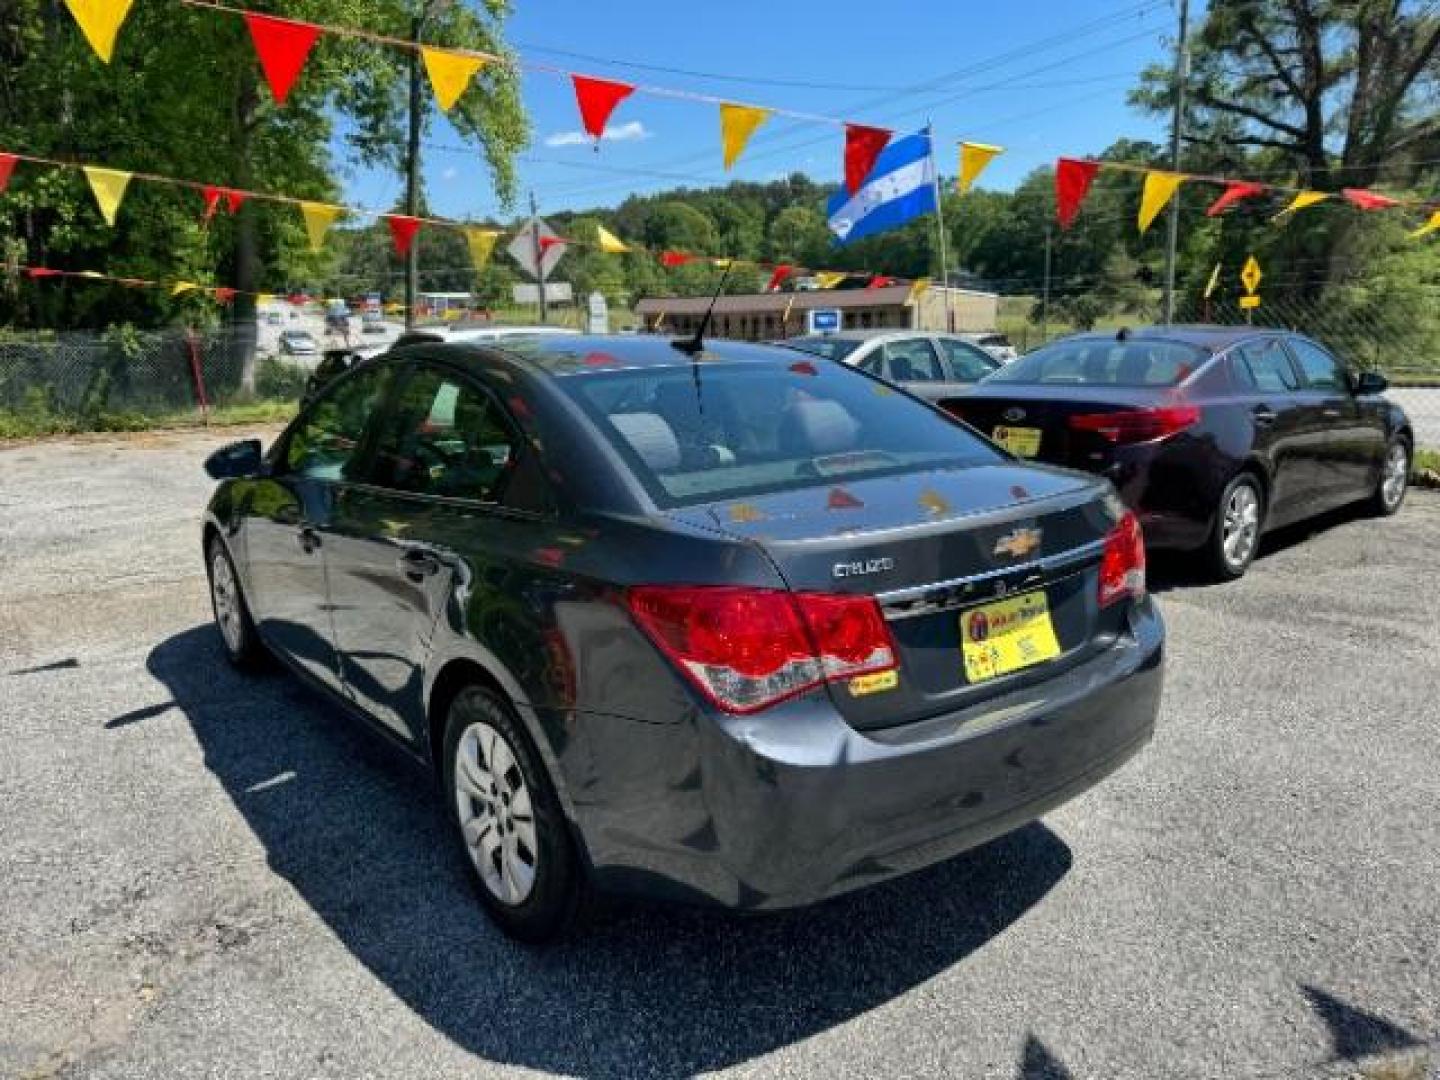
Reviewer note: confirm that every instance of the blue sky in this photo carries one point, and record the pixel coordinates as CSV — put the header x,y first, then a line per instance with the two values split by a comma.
x,y
1039,77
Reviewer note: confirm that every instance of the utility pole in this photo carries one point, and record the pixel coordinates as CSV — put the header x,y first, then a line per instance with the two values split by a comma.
x,y
539,259
940,229
412,169
1177,119
1045,294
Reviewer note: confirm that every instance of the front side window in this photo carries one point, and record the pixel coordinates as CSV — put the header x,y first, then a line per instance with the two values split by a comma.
x,y
324,442
913,360
721,430
970,363
1321,370
444,437
1265,366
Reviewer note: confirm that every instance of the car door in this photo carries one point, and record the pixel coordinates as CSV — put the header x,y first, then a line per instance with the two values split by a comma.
x,y
915,364
1268,385
1349,434
289,514
404,539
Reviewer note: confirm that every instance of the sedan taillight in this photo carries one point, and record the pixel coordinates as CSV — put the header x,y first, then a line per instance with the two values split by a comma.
x,y
746,649
1122,566
1138,425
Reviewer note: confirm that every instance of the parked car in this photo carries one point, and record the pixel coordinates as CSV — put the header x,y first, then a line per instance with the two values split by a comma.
x,y
273,318
997,345
298,343
932,366
1213,434
731,627
372,322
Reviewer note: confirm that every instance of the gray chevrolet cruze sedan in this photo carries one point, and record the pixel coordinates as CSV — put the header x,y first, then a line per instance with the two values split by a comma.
x,y
724,624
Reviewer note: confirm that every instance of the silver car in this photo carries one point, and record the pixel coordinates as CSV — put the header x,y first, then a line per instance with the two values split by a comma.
x,y
928,365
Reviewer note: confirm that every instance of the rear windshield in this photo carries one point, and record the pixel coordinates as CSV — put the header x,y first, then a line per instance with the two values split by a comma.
x,y
1105,362
721,430
828,347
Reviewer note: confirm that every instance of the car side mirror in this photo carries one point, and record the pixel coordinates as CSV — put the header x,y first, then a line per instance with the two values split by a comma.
x,y
234,460
1370,382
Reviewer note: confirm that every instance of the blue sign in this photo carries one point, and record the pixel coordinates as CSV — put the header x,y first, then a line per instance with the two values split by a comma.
x,y
824,320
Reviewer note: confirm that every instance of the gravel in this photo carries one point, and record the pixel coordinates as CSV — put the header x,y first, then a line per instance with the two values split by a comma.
x,y
209,874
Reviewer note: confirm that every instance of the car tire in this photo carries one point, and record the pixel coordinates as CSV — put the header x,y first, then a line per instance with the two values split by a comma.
x,y
527,873
1239,523
232,614
1394,480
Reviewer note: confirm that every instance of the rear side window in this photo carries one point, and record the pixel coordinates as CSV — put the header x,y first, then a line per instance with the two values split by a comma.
x,y
721,430
969,363
913,360
444,437
1321,370
1265,366
325,441
1105,362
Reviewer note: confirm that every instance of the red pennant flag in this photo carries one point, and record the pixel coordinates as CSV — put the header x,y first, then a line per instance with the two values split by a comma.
x,y
782,271
597,99
212,199
233,199
7,166
1233,193
1072,183
224,294
675,258
862,147
1365,200
547,242
43,271
402,231
879,281
283,46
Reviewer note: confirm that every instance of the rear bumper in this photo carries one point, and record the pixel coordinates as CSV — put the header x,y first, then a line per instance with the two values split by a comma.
x,y
787,810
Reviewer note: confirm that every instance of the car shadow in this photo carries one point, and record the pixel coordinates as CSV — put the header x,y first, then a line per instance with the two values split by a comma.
x,y
641,990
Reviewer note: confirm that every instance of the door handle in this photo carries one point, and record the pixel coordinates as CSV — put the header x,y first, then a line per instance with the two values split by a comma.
x,y
1263,416
417,565
308,539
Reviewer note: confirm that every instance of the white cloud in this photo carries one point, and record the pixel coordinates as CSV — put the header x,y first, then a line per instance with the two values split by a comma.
x,y
630,131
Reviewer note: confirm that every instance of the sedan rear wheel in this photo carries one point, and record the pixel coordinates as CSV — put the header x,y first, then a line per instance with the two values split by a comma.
x,y
518,849
1238,524
1394,479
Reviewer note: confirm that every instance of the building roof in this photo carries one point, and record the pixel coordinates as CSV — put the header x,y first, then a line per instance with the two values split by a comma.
x,y
801,300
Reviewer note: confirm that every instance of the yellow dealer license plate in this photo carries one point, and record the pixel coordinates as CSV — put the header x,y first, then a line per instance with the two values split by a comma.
x,y
998,638
1020,441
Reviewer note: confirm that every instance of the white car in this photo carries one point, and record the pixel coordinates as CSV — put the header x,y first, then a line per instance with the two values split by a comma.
x,y
929,365
997,345
489,333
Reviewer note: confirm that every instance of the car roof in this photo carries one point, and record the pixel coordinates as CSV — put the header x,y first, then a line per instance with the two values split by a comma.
x,y
1211,338
569,355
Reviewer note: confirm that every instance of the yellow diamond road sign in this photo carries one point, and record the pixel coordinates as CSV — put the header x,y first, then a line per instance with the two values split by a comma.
x,y
1250,275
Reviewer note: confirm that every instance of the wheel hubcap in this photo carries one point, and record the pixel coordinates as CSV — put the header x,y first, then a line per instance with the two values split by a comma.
x,y
227,600
1397,473
1241,525
497,818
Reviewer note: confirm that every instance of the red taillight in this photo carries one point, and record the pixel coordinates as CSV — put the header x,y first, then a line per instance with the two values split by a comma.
x,y
1137,425
747,649
1122,567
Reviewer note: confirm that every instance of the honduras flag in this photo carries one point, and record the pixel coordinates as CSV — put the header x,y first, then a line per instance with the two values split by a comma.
x,y
900,187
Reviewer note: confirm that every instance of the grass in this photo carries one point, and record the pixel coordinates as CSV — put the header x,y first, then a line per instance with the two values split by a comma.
x,y
1426,461
30,424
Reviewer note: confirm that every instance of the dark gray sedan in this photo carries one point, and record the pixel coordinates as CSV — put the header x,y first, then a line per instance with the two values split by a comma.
x,y
737,626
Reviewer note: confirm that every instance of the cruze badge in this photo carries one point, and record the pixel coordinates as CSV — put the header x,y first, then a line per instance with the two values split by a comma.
x,y
856,569
1019,543
1012,415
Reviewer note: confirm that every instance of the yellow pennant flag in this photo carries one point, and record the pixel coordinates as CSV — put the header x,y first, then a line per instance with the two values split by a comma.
x,y
450,73
482,243
183,287
723,264
109,188
1302,200
100,21
318,219
1213,283
1430,226
1160,188
917,290
974,157
828,279
737,124
609,242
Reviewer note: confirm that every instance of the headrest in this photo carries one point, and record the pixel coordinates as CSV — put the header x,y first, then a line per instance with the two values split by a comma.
x,y
651,437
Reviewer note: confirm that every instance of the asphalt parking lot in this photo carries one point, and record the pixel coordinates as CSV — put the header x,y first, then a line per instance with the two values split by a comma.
x,y
208,874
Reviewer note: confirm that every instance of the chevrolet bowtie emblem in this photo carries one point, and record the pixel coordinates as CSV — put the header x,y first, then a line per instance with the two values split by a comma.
x,y
1019,543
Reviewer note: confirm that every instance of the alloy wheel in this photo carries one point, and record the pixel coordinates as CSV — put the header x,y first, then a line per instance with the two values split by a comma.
x,y
1241,527
497,817
226,595
1396,475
